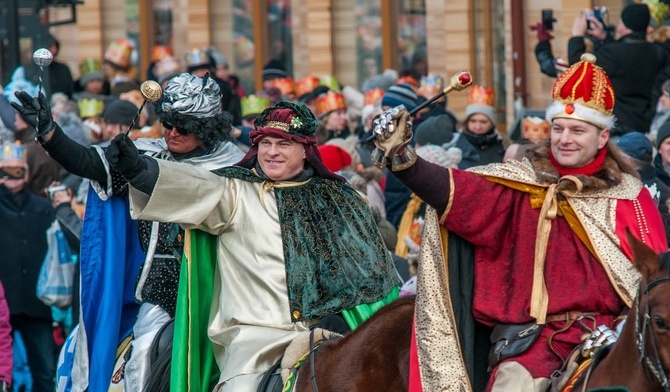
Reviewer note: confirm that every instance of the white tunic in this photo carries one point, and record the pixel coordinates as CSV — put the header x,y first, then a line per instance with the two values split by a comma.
x,y
250,324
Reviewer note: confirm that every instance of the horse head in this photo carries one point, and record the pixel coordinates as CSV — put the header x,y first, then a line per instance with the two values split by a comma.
x,y
652,311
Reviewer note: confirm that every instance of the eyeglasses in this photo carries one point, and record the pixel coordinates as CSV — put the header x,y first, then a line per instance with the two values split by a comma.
x,y
179,130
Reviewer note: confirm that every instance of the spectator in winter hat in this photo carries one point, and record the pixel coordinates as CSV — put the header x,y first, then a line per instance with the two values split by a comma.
x,y
399,94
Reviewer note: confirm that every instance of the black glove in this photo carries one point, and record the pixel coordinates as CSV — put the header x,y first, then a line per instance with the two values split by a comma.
x,y
35,111
123,156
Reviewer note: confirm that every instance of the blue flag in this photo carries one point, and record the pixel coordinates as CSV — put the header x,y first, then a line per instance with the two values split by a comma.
x,y
111,258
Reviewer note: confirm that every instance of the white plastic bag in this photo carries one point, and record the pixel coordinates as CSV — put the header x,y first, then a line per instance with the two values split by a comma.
x,y
54,285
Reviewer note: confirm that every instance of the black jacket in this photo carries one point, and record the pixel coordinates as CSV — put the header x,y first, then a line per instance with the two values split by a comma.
x,y
633,65
25,219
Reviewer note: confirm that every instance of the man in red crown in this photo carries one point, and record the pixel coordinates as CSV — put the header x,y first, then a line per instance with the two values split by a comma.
x,y
549,256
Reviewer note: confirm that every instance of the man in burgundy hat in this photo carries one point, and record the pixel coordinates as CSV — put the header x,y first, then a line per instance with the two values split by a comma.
x,y
294,243
549,249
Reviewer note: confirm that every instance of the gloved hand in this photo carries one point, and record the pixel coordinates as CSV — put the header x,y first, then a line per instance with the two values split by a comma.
x,y
123,156
35,111
542,33
393,132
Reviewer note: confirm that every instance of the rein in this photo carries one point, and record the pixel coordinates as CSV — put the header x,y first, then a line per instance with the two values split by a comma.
x,y
655,366
312,354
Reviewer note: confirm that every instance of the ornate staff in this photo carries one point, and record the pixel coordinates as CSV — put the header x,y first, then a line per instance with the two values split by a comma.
x,y
151,92
458,82
42,58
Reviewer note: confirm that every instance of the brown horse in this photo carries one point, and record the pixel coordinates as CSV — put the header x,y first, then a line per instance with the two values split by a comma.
x,y
372,358
640,359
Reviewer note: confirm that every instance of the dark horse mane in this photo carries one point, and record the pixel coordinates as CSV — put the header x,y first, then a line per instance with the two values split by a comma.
x,y
664,261
369,367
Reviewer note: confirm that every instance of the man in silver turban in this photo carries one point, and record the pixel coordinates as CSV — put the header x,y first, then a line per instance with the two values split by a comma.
x,y
196,133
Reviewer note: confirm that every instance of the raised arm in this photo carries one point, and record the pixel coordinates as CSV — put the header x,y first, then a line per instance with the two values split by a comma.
x,y
75,158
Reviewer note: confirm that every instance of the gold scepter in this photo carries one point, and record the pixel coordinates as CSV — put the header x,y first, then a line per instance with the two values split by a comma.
x,y
458,82
151,92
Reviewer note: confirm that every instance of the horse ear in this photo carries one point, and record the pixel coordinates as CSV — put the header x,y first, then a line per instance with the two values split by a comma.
x,y
644,258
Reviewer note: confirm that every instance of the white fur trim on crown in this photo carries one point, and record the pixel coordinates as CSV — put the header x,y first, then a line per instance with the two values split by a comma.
x,y
583,113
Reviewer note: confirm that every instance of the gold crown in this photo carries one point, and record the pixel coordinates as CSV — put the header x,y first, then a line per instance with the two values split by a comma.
x,y
89,66
373,97
330,82
480,95
285,85
330,101
658,10
306,85
119,52
90,107
253,105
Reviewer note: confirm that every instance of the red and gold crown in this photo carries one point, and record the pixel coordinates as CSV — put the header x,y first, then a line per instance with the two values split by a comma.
x,y
409,80
583,92
535,129
330,101
119,52
159,52
373,97
306,85
253,105
90,107
285,85
480,95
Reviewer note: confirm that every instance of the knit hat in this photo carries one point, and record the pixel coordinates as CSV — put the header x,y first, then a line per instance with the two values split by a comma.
x,y
90,69
637,146
274,69
481,102
663,133
583,92
636,17
334,157
382,81
400,94
120,112
218,57
436,130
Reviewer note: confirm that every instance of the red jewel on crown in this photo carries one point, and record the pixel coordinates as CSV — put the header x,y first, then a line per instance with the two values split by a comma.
x,y
569,108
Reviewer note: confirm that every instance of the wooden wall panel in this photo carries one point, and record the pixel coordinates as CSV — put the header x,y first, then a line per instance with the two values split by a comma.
x,y
312,29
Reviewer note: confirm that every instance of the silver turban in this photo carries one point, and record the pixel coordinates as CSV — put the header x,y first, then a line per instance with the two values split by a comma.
x,y
192,95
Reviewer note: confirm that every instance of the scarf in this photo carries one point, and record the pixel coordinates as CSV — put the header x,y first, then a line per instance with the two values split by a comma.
x,y
587,170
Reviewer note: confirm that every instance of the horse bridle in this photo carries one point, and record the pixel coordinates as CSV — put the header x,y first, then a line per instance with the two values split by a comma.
x,y
655,366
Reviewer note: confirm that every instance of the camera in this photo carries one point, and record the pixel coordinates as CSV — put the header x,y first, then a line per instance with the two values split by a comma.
x,y
55,189
598,14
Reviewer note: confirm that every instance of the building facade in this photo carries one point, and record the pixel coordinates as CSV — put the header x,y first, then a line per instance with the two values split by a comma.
x,y
350,39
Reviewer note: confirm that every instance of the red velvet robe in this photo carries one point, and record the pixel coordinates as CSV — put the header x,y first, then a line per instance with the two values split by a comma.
x,y
501,224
